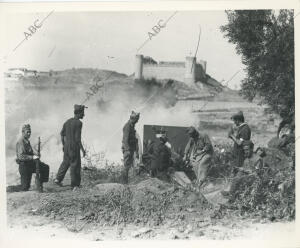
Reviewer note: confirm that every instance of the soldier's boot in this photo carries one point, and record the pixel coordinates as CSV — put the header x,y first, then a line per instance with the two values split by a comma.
x,y
58,183
39,185
41,189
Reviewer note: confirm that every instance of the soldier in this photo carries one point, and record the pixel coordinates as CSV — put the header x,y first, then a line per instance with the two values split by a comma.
x,y
160,157
129,144
238,134
287,142
253,163
198,152
71,140
26,159
288,119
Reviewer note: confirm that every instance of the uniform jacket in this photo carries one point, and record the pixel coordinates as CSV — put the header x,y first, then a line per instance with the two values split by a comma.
x,y
198,147
71,132
242,132
129,142
160,156
23,150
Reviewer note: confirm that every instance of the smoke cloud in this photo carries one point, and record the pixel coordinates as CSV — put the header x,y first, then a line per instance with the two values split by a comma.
x,y
46,109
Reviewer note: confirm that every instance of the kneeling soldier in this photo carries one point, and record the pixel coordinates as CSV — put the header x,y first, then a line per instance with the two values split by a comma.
x,y
199,152
160,157
26,159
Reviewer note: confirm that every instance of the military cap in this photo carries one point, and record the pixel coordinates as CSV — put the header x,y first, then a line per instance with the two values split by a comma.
x,y
79,108
134,115
164,137
238,116
191,130
26,127
161,135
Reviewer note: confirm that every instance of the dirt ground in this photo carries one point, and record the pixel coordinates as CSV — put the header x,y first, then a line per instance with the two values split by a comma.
x,y
241,229
27,219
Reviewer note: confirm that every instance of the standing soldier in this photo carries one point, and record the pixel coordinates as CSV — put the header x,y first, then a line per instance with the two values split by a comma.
x,y
26,159
129,143
238,134
71,140
198,152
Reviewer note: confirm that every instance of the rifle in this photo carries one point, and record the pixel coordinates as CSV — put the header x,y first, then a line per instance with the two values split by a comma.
x,y
38,183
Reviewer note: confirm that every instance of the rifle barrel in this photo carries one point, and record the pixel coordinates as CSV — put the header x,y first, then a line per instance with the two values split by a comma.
x,y
37,169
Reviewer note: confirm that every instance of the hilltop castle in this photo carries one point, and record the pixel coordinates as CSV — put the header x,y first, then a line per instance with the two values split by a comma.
x,y
189,71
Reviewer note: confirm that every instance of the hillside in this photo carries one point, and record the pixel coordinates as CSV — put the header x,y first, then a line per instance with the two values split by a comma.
x,y
82,78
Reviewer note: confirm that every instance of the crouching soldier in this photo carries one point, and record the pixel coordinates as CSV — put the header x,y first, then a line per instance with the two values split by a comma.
x,y
253,163
26,158
160,157
129,144
198,152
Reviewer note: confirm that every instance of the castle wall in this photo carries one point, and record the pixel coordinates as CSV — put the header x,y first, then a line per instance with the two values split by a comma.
x,y
164,72
188,71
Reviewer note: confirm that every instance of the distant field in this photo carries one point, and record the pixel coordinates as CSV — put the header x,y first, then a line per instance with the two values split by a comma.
x,y
215,105
214,119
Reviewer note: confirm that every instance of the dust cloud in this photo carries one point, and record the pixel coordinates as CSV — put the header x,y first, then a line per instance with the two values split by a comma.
x,y
46,109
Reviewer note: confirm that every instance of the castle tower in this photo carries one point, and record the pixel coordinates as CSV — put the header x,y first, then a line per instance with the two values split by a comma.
x,y
201,72
138,66
203,64
190,70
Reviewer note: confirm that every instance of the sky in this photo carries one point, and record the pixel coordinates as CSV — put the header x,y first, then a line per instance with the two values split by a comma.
x,y
110,40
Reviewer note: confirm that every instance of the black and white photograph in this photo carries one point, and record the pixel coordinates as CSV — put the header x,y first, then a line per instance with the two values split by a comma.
x,y
146,124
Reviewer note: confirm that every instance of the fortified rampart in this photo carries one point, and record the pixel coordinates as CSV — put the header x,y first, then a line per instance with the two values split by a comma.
x,y
189,71
163,72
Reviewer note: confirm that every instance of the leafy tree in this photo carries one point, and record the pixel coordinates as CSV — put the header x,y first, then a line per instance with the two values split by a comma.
x,y
265,40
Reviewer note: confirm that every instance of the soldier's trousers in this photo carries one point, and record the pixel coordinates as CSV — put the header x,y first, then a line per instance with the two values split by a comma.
x,y
128,163
74,164
201,167
239,157
27,168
